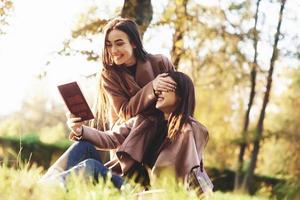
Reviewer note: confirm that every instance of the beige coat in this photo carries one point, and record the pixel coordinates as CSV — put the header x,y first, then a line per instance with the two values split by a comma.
x,y
130,96
132,138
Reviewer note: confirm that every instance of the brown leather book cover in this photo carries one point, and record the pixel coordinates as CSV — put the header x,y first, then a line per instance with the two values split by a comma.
x,y
75,101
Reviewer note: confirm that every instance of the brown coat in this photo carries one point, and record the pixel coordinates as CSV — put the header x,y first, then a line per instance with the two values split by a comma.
x,y
132,138
131,96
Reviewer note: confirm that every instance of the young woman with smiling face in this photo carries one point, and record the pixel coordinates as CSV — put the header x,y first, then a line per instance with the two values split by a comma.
x,y
120,48
129,80
178,145
130,76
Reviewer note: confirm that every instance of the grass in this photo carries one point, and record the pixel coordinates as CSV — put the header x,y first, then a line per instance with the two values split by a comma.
x,y
23,183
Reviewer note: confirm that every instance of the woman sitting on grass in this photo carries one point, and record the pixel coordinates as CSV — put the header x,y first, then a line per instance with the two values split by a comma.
x,y
177,144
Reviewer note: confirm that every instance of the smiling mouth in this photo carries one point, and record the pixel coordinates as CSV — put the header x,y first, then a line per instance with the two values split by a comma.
x,y
160,98
117,57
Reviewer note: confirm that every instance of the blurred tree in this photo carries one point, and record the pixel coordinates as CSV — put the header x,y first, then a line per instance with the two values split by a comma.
x,y
6,7
214,45
38,115
141,11
207,40
90,25
243,144
181,17
248,179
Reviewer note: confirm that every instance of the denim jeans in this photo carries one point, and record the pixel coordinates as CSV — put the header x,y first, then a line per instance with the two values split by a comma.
x,y
80,157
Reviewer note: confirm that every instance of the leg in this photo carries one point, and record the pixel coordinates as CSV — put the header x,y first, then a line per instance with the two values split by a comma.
x,y
76,153
90,168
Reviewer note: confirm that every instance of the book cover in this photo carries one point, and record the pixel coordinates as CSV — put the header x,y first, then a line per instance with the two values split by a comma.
x,y
75,101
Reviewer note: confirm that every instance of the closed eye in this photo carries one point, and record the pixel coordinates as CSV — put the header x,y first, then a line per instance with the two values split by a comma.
x,y
119,43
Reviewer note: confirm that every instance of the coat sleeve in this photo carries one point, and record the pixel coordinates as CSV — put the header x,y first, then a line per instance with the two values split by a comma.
x,y
108,140
201,136
127,107
168,65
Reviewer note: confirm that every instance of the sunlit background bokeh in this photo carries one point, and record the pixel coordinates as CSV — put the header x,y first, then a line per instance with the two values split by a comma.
x,y
34,60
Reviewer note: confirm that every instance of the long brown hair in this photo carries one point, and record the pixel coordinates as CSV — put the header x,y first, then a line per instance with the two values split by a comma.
x,y
129,27
186,105
102,107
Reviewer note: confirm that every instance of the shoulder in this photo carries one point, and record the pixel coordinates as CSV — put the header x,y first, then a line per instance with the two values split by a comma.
x,y
109,74
161,61
196,127
158,58
107,71
198,130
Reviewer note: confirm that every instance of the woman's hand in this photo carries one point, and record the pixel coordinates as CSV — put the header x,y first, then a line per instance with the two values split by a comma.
x,y
74,125
163,83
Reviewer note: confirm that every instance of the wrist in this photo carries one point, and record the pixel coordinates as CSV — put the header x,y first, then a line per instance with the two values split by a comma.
x,y
79,131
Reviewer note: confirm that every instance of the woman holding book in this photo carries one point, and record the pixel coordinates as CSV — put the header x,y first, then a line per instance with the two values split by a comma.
x,y
178,143
129,79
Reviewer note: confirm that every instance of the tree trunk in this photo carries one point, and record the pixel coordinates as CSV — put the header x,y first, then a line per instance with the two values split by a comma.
x,y
243,144
181,19
140,10
248,181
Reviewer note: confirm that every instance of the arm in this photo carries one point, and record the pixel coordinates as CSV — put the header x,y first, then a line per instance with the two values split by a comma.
x,y
201,135
127,107
107,140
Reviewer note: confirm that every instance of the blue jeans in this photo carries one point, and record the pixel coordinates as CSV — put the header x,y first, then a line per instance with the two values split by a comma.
x,y
81,157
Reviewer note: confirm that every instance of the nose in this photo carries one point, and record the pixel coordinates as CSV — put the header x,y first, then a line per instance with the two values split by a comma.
x,y
158,92
114,49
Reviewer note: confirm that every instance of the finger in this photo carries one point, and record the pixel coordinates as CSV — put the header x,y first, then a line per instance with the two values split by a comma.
x,y
168,85
78,137
75,119
77,131
168,80
163,75
74,125
157,92
68,114
162,89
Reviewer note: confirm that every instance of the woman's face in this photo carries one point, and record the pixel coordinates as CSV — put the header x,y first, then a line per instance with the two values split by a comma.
x,y
167,102
119,48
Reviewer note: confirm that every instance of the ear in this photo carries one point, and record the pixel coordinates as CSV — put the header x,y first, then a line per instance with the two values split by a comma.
x,y
178,99
133,45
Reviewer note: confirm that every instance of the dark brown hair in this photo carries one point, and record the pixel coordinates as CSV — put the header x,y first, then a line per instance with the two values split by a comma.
x,y
186,105
129,27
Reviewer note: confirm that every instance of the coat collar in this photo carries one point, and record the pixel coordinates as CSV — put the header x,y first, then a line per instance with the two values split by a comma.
x,y
144,73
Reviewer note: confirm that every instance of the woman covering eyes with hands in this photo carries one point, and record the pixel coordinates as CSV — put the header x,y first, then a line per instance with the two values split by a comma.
x,y
174,142
130,76
129,81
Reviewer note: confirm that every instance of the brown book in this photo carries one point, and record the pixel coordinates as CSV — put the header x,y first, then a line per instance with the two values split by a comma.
x,y
75,101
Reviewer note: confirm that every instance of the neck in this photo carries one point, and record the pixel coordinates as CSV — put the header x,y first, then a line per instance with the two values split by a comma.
x,y
166,115
132,62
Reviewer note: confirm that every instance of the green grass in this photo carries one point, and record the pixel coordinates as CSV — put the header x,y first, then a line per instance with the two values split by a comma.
x,y
23,184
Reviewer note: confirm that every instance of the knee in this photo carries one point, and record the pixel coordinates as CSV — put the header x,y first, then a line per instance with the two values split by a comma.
x,y
94,166
83,145
90,163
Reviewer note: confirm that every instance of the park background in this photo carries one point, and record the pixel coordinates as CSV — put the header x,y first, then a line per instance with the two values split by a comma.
x,y
243,57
